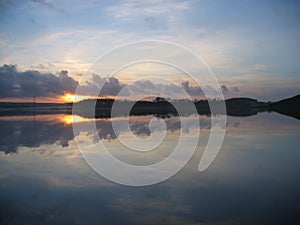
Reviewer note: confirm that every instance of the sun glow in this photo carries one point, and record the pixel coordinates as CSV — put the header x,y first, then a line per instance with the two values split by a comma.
x,y
69,119
74,98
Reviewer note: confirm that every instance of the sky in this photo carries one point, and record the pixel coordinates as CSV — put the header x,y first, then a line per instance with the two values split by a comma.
x,y
48,46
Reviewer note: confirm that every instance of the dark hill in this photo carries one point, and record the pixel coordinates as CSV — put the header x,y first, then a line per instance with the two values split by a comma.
x,y
289,106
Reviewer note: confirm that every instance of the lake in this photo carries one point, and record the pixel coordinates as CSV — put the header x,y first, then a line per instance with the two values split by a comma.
x,y
254,179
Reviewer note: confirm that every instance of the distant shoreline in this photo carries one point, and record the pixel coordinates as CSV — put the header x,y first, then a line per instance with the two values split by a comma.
x,y
159,107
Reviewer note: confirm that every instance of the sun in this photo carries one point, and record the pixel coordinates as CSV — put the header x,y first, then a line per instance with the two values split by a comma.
x,y
69,119
74,98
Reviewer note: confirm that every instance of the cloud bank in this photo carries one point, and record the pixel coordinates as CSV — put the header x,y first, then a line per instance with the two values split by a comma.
x,y
33,83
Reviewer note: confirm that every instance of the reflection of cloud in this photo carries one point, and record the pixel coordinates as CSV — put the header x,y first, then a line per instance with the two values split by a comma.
x,y
29,131
32,133
105,130
236,124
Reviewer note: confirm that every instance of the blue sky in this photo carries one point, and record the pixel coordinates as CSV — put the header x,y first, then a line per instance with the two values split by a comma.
x,y
252,45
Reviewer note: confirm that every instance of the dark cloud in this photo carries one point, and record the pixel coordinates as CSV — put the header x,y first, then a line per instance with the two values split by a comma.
x,y
111,87
34,83
195,91
236,89
16,84
224,89
107,86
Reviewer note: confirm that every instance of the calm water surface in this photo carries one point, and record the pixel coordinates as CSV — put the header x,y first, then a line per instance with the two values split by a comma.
x,y
255,178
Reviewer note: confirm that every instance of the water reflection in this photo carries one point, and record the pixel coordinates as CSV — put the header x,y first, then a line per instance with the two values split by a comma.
x,y
33,131
254,180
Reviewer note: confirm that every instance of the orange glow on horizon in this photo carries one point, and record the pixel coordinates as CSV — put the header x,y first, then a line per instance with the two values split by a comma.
x,y
75,98
69,119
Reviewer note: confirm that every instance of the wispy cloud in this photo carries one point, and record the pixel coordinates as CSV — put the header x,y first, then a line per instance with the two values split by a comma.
x,y
48,5
131,9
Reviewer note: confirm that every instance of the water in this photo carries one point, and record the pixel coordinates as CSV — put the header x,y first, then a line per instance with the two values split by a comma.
x,y
254,179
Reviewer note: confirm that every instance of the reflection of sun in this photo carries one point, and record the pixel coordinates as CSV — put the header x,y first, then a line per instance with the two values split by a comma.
x,y
69,119
74,98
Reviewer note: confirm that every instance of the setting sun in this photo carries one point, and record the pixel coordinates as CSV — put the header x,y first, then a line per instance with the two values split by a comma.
x,y
69,119
74,98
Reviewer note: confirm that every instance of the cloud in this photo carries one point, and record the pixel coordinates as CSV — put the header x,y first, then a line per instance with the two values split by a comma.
x,y
235,89
130,9
224,89
33,83
145,87
16,84
111,87
47,4
195,91
104,86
